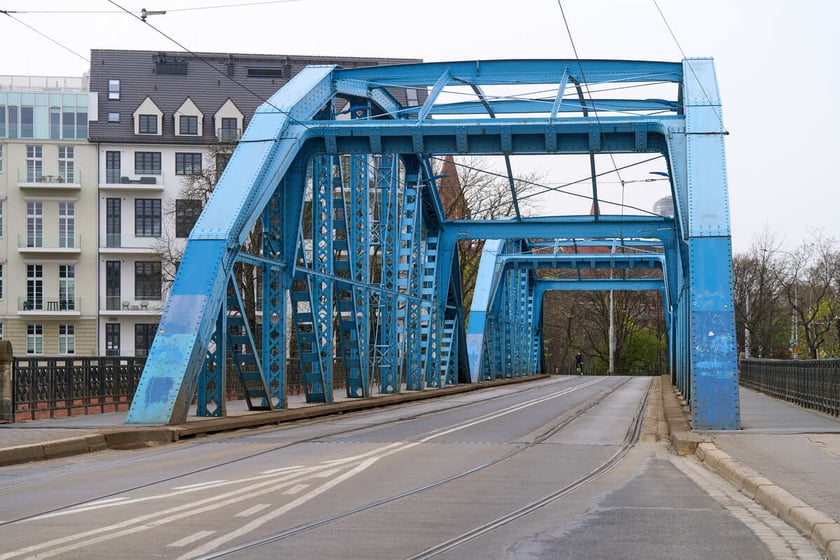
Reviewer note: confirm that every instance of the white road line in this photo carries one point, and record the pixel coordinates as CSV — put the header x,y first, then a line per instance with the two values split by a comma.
x,y
283,469
191,539
200,485
252,510
268,484
296,489
262,520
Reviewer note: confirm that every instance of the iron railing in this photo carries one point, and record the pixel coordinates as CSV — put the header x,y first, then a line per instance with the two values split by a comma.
x,y
49,387
55,387
811,384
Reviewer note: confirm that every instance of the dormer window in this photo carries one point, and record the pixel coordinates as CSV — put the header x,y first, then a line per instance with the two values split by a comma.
x,y
148,118
229,122
188,124
189,120
148,124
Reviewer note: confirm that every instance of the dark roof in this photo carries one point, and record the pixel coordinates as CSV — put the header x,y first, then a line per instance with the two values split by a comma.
x,y
208,79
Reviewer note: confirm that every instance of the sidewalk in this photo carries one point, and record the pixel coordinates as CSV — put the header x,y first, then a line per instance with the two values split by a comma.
x,y
786,458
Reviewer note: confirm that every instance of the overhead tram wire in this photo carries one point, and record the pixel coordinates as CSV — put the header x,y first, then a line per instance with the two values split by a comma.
x,y
682,52
238,5
561,188
44,35
219,71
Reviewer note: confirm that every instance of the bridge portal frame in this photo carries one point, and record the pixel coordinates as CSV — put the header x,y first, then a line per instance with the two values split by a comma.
x,y
268,175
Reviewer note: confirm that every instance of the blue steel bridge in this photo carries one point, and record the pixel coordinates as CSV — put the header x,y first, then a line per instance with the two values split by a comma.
x,y
359,260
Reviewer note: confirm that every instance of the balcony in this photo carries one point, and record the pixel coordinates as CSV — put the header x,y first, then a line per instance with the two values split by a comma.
x,y
50,244
228,134
140,182
58,181
119,243
116,305
49,306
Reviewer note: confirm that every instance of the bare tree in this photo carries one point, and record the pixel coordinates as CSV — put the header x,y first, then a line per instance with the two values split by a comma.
x,y
478,193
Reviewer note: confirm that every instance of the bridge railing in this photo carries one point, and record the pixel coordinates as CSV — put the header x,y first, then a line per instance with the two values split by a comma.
x,y
811,384
59,386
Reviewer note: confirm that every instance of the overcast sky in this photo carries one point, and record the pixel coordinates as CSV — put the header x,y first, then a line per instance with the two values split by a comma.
x,y
776,65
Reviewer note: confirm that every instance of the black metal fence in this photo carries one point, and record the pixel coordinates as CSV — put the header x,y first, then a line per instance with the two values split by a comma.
x,y
54,387
808,383
48,387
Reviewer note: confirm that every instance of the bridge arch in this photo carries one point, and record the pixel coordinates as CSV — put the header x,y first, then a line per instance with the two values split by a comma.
x,y
358,258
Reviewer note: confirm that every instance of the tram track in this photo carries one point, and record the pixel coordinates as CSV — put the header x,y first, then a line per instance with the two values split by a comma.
x,y
285,445
631,437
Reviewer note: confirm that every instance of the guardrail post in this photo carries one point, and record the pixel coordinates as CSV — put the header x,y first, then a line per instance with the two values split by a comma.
x,y
7,402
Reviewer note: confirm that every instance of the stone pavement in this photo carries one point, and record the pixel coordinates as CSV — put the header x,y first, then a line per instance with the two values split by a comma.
x,y
786,458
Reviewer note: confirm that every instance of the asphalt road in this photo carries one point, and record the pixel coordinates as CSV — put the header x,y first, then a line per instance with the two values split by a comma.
x,y
540,470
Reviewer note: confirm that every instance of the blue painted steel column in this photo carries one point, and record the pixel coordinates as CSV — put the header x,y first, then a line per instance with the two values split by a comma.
x,y
410,266
389,348
212,379
714,359
274,288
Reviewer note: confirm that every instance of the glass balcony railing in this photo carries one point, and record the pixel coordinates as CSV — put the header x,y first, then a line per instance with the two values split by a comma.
x,y
49,242
49,180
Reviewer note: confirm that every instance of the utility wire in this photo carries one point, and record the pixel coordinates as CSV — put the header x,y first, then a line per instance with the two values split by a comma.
x,y
682,52
45,36
219,71
239,5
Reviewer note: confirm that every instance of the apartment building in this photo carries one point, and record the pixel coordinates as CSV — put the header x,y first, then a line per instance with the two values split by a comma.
x,y
48,192
164,120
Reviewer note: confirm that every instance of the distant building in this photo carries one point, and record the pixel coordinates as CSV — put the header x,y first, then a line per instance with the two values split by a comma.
x,y
48,200
164,117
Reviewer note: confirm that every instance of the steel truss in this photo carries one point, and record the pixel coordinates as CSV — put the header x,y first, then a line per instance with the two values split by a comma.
x,y
359,264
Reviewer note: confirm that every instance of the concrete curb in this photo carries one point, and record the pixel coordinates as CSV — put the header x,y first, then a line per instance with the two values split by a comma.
x,y
823,531
53,449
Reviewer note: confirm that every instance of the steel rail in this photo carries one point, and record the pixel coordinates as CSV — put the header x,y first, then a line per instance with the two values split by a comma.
x,y
284,445
569,417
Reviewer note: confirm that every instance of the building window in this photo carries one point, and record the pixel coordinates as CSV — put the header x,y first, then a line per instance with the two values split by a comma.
x,y
188,124
1,156
66,225
2,295
1,331
34,163
67,287
66,338
13,121
112,339
112,167
265,72
34,224
114,117
147,163
222,160
187,211
144,334
113,89
187,164
27,123
113,222
230,130
147,280
148,124
147,217
2,122
2,222
112,285
66,164
34,287
34,338
55,123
